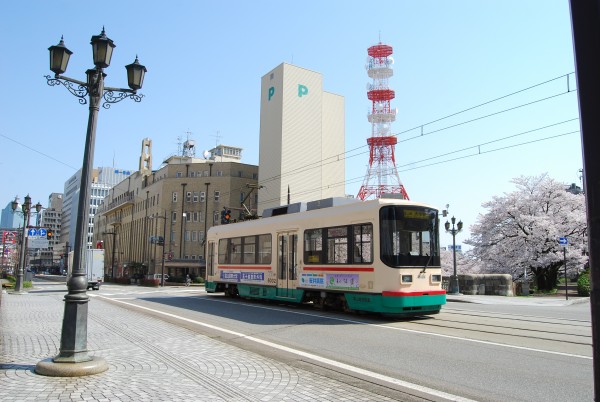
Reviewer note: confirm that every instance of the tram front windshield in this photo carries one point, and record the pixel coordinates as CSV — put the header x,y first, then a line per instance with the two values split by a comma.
x,y
409,236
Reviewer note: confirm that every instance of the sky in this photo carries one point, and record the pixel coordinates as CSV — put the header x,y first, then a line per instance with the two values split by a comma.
x,y
485,90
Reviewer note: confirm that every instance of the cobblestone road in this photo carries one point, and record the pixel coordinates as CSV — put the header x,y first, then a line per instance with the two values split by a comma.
x,y
149,360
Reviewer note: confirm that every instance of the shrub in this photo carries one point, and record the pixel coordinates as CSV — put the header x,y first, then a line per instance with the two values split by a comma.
x,y
11,278
123,280
198,279
27,284
583,284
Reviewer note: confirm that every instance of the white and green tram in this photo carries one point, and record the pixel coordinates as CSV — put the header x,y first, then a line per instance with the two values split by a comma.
x,y
376,256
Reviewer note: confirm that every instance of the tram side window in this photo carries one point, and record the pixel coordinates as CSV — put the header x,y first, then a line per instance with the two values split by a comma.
x,y
223,251
235,250
351,244
249,256
313,246
264,249
363,243
337,245
245,250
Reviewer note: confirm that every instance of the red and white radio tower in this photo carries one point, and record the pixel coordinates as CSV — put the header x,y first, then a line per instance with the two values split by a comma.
x,y
382,175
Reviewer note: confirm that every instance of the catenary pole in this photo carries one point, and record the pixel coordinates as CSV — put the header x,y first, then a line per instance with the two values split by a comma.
x,y
585,18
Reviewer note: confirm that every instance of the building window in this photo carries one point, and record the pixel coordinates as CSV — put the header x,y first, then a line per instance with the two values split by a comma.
x,y
219,173
202,196
173,216
194,235
179,174
187,235
217,195
174,196
195,216
188,196
216,217
188,216
196,194
206,173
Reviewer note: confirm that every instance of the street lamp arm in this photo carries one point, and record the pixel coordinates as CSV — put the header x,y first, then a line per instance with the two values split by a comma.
x,y
114,95
81,91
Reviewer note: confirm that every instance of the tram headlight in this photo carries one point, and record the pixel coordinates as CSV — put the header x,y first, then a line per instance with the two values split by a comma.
x,y
407,278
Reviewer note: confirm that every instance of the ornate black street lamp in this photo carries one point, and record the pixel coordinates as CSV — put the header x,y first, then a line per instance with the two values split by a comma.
x,y
25,210
454,287
73,359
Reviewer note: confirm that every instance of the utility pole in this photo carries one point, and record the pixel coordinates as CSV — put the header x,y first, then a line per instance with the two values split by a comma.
x,y
585,18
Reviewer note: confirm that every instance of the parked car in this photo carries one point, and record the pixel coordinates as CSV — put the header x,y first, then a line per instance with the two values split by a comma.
x,y
158,276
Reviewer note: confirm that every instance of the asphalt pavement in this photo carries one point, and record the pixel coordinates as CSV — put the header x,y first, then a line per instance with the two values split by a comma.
x,y
153,360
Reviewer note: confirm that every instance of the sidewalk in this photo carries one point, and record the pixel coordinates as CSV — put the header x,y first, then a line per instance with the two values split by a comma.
x,y
553,300
149,360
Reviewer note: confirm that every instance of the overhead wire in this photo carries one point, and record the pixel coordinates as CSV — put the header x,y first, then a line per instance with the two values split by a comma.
x,y
343,155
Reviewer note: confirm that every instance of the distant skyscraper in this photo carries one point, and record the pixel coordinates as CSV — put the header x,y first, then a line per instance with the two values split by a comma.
x,y
103,179
9,219
301,138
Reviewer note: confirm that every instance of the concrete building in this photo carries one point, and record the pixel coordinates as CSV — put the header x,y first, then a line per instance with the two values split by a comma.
x,y
301,138
102,180
50,219
169,210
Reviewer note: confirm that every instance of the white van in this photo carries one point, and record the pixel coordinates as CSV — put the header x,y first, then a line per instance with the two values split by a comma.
x,y
158,276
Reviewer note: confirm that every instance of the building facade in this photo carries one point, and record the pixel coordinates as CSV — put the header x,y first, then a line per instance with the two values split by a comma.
x,y
302,144
167,212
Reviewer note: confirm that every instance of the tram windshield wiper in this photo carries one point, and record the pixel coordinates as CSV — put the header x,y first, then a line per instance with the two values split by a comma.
x,y
426,265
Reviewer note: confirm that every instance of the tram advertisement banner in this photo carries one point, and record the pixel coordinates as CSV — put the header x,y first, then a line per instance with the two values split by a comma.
x,y
330,281
342,281
257,277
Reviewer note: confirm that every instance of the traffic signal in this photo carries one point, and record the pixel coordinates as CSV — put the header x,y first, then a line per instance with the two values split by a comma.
x,y
228,216
49,234
223,217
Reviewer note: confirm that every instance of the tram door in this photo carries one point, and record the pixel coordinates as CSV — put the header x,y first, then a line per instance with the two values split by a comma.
x,y
287,264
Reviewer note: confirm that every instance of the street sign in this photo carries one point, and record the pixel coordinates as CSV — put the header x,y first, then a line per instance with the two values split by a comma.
x,y
32,232
37,242
563,241
42,232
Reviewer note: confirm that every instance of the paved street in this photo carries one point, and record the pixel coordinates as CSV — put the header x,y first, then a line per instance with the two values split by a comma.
x,y
149,360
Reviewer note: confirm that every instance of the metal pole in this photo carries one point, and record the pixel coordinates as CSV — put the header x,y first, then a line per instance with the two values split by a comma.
x,y
585,17
455,286
182,245
162,270
114,244
19,282
566,282
73,341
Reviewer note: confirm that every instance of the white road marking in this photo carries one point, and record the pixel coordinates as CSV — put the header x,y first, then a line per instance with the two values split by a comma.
x,y
414,387
414,331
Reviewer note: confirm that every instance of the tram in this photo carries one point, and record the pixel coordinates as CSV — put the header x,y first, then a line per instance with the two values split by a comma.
x,y
377,256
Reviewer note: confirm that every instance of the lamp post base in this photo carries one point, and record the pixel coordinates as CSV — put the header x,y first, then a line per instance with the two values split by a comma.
x,y
50,368
18,292
453,289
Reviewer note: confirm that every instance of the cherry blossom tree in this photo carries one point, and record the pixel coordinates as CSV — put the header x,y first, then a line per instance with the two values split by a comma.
x,y
520,231
465,264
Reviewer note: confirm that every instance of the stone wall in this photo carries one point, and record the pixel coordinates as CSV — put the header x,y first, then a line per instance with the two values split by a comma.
x,y
486,284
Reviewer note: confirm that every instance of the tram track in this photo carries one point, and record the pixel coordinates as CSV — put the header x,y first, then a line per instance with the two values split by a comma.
x,y
540,333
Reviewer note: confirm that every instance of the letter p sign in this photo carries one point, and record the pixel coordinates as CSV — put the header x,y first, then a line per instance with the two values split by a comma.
x,y
302,90
271,92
